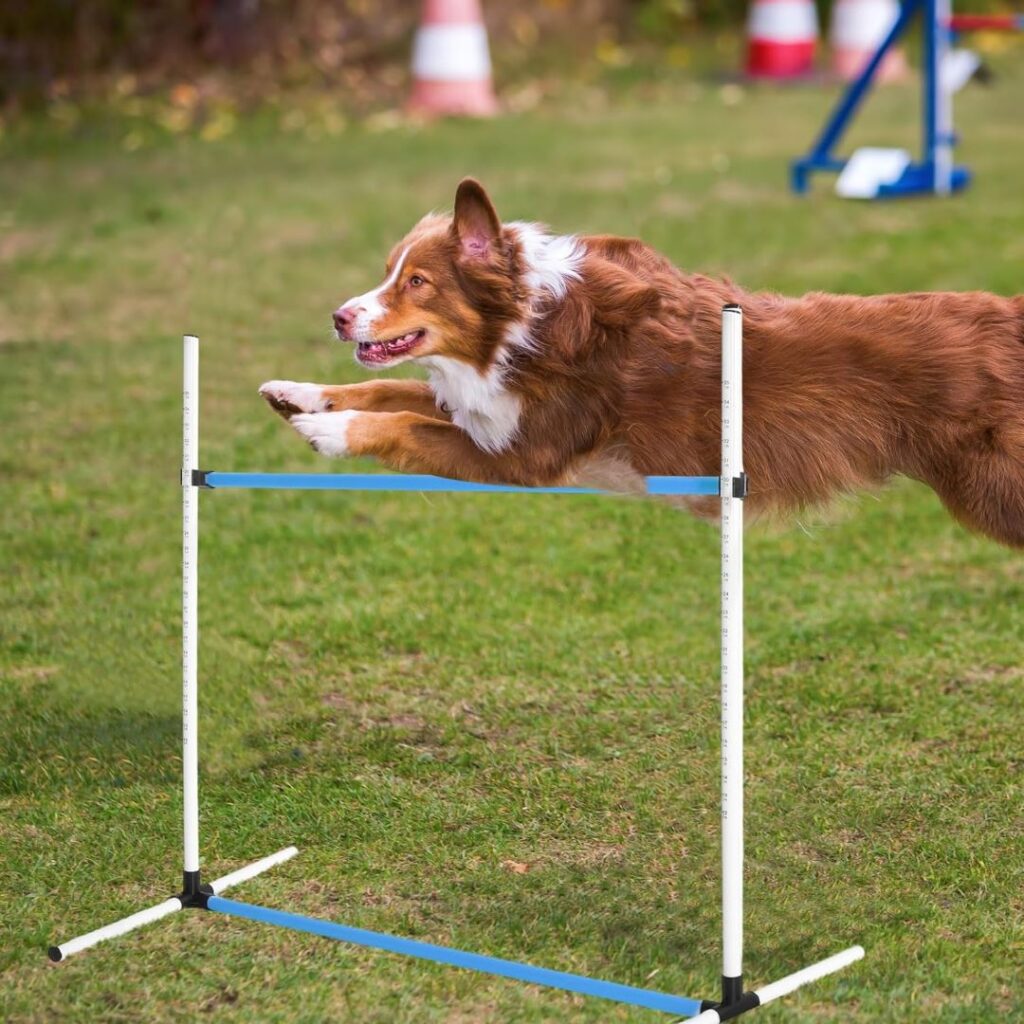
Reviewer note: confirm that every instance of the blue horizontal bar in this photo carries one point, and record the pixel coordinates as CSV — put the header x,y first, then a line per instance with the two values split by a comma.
x,y
684,485
661,485
457,958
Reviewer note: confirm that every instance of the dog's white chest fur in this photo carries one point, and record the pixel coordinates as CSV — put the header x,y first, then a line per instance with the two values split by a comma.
x,y
479,403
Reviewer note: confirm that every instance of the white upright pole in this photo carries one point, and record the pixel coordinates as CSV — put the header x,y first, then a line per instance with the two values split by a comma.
x,y
189,611
941,11
732,654
191,894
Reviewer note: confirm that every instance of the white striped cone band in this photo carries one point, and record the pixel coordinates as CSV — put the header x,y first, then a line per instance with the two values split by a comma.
x,y
783,21
857,30
862,24
451,53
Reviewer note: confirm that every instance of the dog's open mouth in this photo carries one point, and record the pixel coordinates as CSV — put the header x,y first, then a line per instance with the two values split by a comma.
x,y
385,351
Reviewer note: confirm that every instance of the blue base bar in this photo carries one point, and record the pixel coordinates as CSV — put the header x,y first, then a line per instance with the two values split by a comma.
x,y
919,179
660,485
457,958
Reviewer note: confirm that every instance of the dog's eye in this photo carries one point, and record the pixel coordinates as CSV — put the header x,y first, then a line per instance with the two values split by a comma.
x,y
415,281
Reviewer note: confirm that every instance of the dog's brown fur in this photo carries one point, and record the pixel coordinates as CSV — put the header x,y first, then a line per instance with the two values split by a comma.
x,y
840,392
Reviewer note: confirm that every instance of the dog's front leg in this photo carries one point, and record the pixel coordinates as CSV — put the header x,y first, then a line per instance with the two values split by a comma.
x,y
290,398
412,444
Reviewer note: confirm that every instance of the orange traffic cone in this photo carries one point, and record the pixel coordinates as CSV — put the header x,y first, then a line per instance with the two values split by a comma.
x,y
858,29
451,65
781,37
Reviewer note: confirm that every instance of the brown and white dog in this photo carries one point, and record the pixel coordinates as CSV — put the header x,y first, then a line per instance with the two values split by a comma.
x,y
557,359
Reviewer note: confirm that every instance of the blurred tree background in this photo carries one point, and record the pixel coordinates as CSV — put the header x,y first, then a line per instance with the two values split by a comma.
x,y
52,47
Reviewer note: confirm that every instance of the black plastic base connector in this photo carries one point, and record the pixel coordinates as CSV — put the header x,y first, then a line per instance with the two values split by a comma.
x,y
740,486
194,892
734,1000
54,954
747,1001
199,478
732,989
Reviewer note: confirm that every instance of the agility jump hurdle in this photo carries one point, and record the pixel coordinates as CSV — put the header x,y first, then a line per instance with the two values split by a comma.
x,y
731,486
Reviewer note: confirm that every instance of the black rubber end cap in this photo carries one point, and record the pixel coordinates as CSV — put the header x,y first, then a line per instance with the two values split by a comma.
x,y
55,954
732,306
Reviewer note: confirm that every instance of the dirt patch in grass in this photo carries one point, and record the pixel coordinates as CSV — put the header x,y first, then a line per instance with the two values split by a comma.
x,y
21,242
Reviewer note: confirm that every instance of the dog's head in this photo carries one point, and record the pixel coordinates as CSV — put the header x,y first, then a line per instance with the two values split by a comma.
x,y
453,287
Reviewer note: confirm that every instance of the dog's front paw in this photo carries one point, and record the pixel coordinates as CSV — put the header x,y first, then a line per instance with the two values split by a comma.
x,y
289,398
327,432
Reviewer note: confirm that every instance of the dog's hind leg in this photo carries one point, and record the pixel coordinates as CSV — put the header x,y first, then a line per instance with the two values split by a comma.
x,y
984,489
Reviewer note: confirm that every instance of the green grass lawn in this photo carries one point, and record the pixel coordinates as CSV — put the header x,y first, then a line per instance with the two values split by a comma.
x,y
489,721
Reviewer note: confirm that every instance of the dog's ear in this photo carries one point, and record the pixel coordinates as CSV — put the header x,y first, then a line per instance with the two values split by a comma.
x,y
619,297
476,224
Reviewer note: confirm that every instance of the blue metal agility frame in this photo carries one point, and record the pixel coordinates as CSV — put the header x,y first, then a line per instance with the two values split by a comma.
x,y
730,487
934,172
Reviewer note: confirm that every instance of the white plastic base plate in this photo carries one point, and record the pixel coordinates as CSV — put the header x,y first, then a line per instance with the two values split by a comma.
x,y
868,169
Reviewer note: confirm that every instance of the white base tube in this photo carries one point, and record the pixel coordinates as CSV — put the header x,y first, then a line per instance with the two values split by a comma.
x,y
111,931
791,982
257,867
169,906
